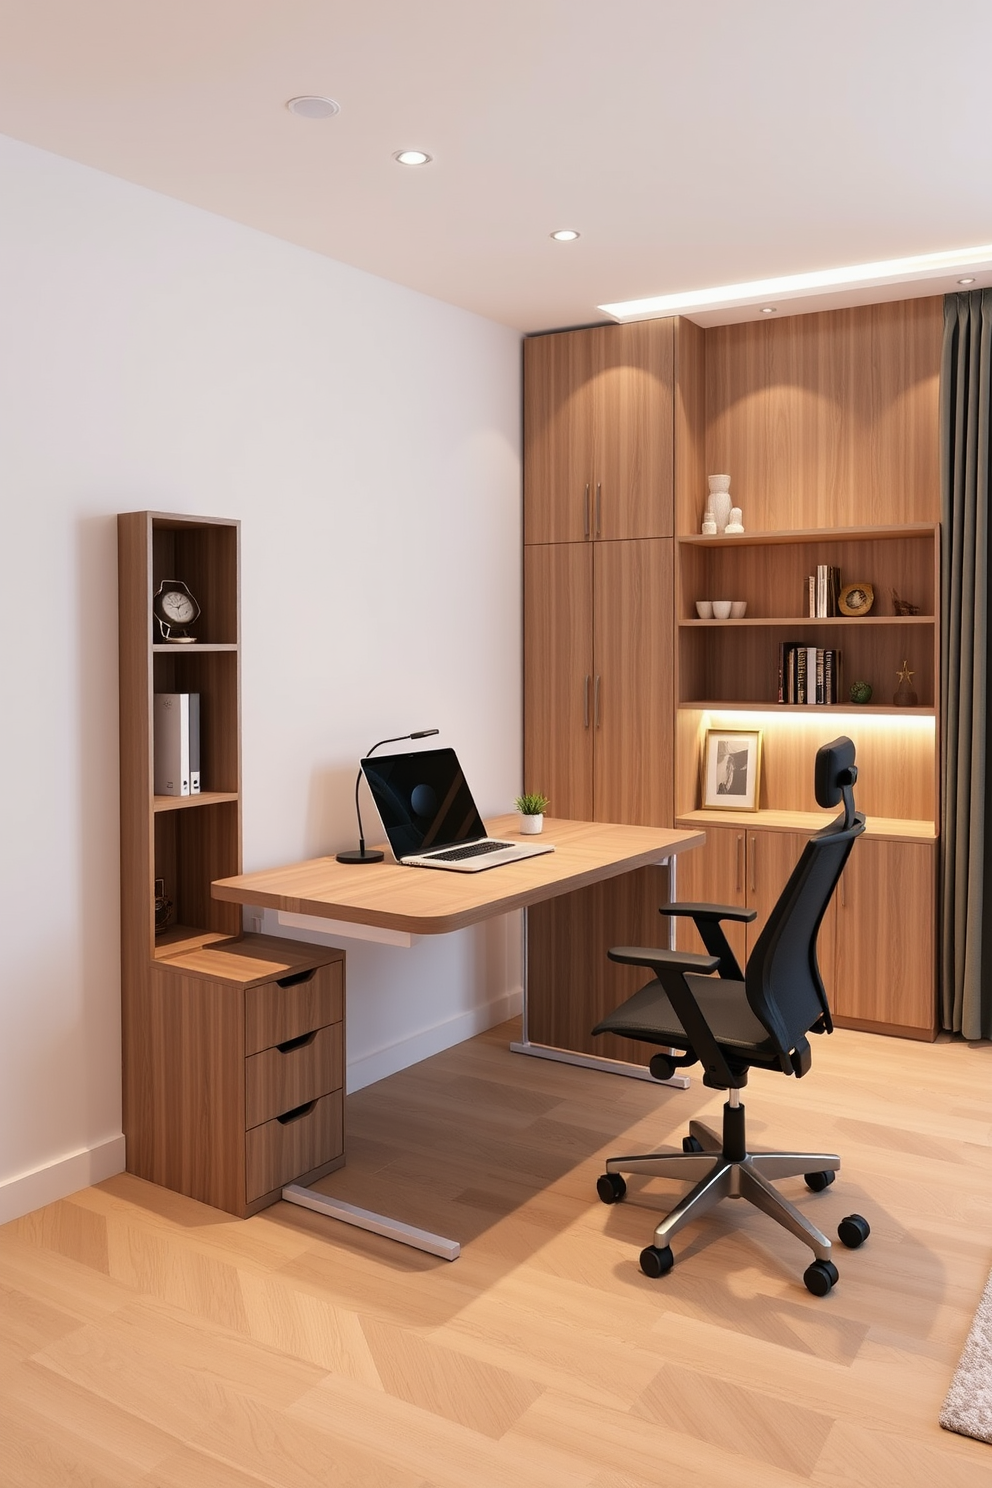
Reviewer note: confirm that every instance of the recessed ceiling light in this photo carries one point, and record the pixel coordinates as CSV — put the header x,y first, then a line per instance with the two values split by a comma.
x,y
412,157
969,279
565,235
796,286
768,309
313,106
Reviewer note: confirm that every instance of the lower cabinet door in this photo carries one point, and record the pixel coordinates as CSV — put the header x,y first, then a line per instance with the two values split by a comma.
x,y
715,873
770,858
884,951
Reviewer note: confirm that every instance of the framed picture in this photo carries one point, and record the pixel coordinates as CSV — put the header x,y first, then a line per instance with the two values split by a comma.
x,y
731,769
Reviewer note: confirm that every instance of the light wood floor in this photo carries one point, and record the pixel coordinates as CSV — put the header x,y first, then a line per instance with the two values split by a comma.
x,y
147,1339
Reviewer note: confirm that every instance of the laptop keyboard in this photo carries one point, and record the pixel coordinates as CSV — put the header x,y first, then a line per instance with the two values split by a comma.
x,y
474,850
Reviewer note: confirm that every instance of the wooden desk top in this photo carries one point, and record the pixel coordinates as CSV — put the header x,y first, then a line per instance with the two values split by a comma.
x,y
426,901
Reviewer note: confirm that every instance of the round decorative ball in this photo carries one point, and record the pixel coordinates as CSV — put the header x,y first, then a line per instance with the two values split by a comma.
x,y
860,692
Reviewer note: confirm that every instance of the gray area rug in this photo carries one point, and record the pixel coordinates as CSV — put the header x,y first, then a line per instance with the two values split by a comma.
x,y
968,1407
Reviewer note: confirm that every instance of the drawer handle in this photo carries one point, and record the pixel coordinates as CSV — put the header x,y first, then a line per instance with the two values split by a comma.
x,y
296,978
296,1113
299,1042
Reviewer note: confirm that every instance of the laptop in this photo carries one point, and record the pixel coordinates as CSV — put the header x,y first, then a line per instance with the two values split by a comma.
x,y
430,817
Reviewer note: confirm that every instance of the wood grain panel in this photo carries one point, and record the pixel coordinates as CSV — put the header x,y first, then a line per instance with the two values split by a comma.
x,y
690,425
558,676
277,1152
633,691
187,1077
715,873
571,984
599,433
280,1079
633,429
830,419
274,1014
558,437
884,950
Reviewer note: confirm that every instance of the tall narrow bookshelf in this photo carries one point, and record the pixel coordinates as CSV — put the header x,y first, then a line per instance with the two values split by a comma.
x,y
232,1044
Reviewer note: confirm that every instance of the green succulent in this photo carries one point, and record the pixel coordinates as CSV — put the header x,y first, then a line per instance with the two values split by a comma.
x,y
532,804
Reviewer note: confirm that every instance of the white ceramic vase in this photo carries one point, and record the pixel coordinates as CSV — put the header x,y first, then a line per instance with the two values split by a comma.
x,y
719,502
531,825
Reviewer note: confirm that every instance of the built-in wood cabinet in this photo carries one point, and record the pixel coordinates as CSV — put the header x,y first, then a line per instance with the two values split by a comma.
x,y
233,1045
827,425
737,866
599,419
599,679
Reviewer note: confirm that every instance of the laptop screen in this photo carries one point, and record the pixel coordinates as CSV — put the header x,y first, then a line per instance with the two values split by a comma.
x,y
424,800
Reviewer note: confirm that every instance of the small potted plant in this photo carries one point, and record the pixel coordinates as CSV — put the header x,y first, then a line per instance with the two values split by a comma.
x,y
532,807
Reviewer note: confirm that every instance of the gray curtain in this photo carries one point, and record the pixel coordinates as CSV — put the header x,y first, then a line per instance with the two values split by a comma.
x,y
966,823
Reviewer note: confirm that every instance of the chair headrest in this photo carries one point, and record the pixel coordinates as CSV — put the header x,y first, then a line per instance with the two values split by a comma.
x,y
834,770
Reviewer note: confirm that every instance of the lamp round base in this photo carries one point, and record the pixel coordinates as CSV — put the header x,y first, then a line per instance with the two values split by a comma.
x,y
358,855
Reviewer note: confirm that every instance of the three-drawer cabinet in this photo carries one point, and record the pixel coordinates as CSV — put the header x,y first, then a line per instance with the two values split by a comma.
x,y
243,1077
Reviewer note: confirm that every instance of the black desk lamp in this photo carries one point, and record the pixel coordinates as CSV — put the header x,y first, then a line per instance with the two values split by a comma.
x,y
372,855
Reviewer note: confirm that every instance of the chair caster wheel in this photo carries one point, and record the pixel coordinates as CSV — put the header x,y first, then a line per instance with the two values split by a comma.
x,y
611,1188
853,1231
691,1144
656,1262
820,1277
817,1182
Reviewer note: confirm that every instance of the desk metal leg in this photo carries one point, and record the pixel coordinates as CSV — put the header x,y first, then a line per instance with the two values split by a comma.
x,y
593,1061
364,1219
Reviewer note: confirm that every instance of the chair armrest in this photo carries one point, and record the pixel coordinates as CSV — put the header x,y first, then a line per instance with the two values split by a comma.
x,y
710,913
706,918
670,967
654,958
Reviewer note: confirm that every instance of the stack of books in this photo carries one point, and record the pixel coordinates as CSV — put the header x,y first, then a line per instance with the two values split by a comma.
x,y
808,674
823,588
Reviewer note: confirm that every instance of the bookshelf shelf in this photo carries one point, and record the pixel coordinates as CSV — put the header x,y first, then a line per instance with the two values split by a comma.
x,y
787,710
780,621
186,803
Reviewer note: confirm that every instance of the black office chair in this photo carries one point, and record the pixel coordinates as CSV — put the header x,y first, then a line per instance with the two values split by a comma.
x,y
729,1022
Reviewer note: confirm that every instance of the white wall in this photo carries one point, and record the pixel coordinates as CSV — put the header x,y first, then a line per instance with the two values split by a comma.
x,y
154,356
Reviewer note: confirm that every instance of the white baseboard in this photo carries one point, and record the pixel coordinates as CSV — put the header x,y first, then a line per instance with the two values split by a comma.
x,y
56,1180
399,1056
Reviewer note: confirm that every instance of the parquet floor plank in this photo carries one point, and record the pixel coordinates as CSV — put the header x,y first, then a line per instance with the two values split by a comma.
x,y
147,1341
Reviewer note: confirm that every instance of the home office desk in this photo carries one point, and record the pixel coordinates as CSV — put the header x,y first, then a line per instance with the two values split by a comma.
x,y
425,902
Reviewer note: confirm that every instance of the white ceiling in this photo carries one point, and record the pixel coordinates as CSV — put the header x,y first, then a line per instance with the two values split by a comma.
x,y
691,142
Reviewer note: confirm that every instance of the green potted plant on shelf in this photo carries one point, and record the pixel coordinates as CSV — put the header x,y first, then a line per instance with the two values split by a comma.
x,y
532,806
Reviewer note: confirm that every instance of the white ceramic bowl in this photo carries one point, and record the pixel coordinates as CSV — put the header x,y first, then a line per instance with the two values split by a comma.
x,y
738,608
704,609
721,609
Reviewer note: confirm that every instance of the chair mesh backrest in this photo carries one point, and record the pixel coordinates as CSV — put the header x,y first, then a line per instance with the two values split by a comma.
x,y
782,978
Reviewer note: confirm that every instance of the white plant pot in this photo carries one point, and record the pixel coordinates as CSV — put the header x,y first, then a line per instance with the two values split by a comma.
x,y
531,825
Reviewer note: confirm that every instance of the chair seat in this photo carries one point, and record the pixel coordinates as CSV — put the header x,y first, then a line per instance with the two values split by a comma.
x,y
650,1017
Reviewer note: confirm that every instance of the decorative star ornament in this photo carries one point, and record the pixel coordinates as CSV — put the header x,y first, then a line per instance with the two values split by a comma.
x,y
906,675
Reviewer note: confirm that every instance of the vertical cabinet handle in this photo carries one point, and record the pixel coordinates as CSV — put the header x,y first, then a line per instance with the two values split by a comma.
x,y
585,523
752,850
599,508
596,702
740,862
585,701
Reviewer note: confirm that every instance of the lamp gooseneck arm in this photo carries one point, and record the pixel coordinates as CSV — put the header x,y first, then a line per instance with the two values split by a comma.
x,y
362,856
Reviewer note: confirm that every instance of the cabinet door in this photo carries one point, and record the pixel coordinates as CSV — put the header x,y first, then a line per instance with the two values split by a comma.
x,y
598,433
771,857
884,949
634,688
558,437
713,874
558,680
633,429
